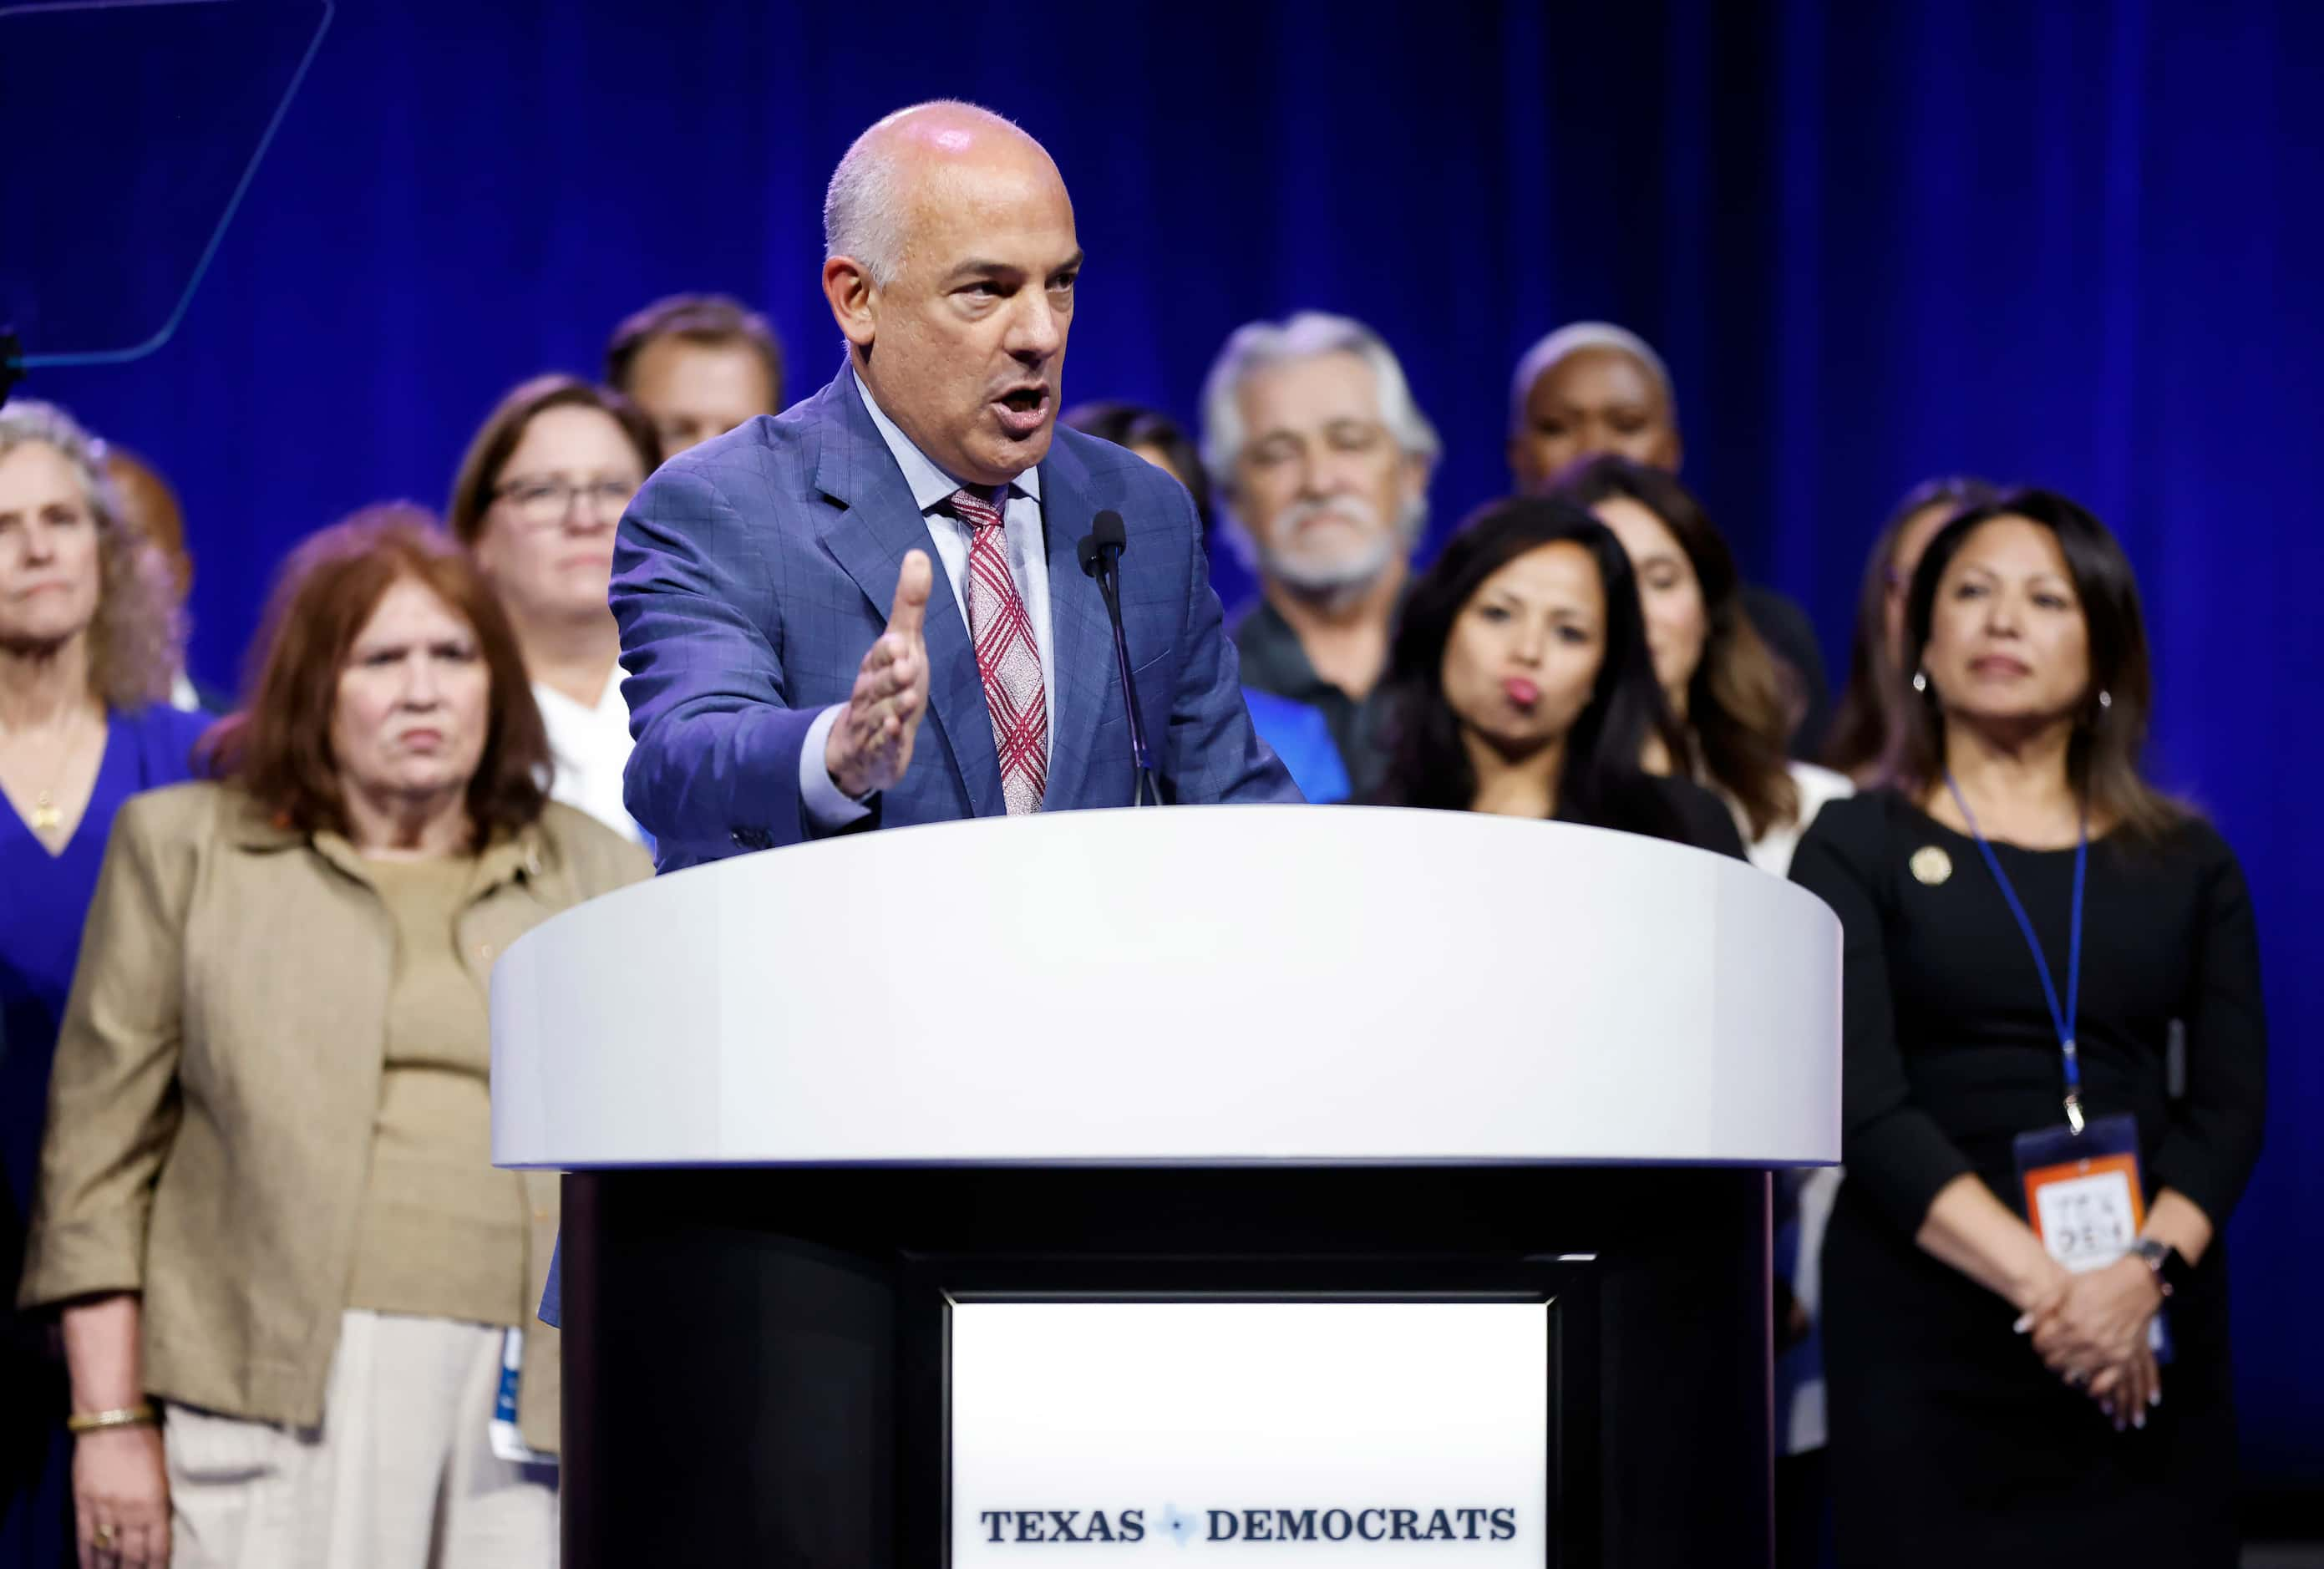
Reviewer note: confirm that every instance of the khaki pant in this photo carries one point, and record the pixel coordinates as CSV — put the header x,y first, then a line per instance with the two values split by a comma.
x,y
400,1475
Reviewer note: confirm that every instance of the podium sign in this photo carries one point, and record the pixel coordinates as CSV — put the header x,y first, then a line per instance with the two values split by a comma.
x,y
1227,1433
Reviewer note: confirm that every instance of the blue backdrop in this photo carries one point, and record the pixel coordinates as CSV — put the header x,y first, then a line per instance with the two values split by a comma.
x,y
2075,243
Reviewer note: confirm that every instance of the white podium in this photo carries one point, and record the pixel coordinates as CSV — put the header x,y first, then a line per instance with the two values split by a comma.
x,y
813,1096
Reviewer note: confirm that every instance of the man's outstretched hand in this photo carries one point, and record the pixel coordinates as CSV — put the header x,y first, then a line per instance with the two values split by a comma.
x,y
871,746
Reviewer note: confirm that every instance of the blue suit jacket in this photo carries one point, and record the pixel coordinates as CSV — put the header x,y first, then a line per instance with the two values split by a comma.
x,y
753,573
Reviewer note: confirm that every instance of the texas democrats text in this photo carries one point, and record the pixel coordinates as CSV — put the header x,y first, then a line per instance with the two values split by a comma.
x,y
1011,1526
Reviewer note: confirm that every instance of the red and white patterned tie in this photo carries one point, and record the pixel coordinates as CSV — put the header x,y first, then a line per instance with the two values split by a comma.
x,y
1007,656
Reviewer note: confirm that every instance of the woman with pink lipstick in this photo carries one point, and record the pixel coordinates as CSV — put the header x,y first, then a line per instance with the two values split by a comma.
x,y
2025,1306
538,498
289,1279
1520,682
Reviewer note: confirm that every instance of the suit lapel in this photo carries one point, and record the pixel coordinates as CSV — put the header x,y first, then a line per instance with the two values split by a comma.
x,y
868,537
1083,655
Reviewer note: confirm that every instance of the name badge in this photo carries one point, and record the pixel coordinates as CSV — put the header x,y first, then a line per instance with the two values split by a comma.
x,y
2084,1199
2087,1211
2082,1193
507,1442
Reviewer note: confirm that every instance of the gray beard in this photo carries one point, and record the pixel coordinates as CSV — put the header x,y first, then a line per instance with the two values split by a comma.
x,y
1339,584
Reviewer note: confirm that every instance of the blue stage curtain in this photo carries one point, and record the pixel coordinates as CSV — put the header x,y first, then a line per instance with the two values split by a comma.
x,y
2078,244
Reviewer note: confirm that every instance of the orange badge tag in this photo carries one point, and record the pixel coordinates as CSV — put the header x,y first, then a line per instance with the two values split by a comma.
x,y
2086,1211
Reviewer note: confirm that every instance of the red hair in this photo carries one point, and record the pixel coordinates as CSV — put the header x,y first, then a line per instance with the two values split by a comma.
x,y
279,748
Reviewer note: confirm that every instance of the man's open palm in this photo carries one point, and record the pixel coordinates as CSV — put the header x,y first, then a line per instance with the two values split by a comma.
x,y
871,746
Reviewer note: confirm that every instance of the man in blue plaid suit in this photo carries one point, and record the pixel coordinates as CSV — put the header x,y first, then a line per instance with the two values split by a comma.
x,y
785,630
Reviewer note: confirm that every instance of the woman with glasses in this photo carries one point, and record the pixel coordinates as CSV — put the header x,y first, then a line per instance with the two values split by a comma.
x,y
536,500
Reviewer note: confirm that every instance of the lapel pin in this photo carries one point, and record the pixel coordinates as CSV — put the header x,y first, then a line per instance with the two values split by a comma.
x,y
1931,864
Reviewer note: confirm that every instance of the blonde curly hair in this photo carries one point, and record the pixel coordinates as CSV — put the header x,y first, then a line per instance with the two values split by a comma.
x,y
138,636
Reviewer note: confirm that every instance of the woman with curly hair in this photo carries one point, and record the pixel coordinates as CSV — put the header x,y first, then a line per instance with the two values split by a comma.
x,y
88,643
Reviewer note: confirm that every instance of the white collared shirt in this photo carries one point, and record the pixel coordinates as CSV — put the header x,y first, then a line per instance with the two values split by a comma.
x,y
592,747
1029,562
1772,851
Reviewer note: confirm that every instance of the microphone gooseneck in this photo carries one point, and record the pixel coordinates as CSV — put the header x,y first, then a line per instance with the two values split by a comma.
x,y
1100,552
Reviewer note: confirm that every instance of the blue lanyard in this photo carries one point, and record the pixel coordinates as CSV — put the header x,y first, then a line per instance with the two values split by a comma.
x,y
2064,1018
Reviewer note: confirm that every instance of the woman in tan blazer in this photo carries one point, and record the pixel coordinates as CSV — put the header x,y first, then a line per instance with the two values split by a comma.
x,y
266,1197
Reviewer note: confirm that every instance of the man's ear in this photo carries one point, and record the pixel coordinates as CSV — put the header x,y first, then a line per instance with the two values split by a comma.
x,y
847,286
1417,469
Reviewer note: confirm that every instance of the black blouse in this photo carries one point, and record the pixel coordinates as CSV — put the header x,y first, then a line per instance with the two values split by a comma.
x,y
1948,1048
1666,807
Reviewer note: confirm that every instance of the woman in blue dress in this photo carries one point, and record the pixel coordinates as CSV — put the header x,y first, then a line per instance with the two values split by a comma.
x,y
88,644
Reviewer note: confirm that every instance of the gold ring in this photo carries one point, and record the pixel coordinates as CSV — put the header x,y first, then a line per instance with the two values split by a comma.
x,y
102,1539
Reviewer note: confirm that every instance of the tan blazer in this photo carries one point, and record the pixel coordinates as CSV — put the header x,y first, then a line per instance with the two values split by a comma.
x,y
217,1080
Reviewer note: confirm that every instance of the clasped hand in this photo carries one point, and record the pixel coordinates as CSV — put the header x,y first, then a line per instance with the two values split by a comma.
x,y
871,746
2091,1330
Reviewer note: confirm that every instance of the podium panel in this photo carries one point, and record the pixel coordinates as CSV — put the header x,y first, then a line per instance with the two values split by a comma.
x,y
764,1357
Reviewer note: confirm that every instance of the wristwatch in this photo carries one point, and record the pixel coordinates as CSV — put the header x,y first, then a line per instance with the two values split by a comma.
x,y
2166,1263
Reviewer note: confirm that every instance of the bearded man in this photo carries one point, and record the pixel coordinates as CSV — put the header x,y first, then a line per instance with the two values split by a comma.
x,y
1323,460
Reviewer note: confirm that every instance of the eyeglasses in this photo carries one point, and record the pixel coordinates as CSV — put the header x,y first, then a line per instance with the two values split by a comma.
x,y
543,504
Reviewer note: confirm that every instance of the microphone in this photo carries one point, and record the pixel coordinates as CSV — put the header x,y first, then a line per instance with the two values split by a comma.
x,y
1100,553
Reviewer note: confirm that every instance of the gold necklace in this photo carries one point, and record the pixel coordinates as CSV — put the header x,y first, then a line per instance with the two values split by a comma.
x,y
47,816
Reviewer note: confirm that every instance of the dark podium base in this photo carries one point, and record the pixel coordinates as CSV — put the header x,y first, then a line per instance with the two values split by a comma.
x,y
755,1360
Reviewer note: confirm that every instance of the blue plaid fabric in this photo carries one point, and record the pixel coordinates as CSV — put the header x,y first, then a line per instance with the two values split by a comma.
x,y
753,574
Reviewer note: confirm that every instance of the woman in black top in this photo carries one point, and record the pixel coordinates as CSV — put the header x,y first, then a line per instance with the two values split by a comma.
x,y
1988,1406
1520,683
